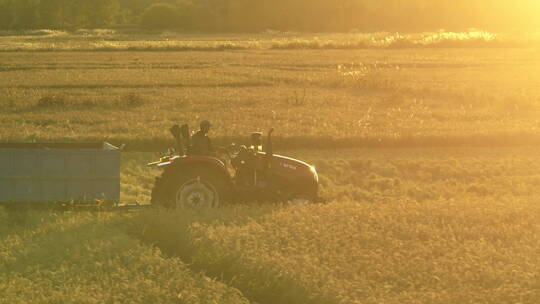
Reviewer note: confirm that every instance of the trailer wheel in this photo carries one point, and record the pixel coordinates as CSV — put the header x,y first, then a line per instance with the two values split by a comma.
x,y
181,189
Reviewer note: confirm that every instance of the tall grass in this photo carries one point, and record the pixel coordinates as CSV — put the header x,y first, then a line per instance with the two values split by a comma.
x,y
401,226
345,252
313,98
172,233
111,40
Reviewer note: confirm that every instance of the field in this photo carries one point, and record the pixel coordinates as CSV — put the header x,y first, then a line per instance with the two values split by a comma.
x,y
313,97
429,158
439,225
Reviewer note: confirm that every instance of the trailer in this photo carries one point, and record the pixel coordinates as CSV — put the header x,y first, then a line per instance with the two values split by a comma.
x,y
40,173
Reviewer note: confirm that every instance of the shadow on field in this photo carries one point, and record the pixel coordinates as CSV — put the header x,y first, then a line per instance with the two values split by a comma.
x,y
49,240
172,233
88,257
44,239
18,219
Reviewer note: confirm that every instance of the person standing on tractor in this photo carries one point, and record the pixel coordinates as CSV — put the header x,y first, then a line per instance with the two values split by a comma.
x,y
200,142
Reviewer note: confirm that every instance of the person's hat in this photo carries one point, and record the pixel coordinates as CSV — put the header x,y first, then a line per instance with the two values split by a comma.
x,y
205,124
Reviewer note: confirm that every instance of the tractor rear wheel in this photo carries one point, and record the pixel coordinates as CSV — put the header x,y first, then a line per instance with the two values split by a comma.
x,y
181,189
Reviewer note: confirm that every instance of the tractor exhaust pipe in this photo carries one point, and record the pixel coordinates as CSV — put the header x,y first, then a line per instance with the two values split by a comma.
x,y
269,149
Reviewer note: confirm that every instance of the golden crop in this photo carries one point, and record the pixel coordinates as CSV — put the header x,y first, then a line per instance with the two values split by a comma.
x,y
110,40
314,98
414,226
89,258
402,226
425,144
439,252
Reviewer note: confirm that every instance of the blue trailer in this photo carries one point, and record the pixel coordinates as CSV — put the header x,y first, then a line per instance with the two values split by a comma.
x,y
59,173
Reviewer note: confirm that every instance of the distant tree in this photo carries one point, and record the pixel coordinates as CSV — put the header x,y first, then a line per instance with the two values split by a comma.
x,y
211,15
52,13
135,6
188,14
131,10
99,13
286,15
162,16
25,14
246,15
6,15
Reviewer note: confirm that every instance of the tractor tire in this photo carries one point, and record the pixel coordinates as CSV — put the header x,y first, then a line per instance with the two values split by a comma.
x,y
181,189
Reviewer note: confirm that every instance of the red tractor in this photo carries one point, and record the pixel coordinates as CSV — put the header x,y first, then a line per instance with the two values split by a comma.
x,y
246,174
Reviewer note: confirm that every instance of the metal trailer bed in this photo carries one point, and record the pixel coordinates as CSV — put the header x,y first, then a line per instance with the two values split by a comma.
x,y
59,173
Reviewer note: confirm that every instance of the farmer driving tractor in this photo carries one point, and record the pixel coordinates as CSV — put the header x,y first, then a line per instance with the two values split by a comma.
x,y
200,142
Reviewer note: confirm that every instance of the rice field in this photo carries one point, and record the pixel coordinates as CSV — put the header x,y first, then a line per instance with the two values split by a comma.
x,y
419,225
89,258
313,98
427,148
402,226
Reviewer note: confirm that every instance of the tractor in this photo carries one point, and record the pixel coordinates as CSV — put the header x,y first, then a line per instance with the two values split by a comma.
x,y
243,174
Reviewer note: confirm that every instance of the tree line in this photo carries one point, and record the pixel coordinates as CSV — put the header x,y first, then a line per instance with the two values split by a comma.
x,y
282,15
